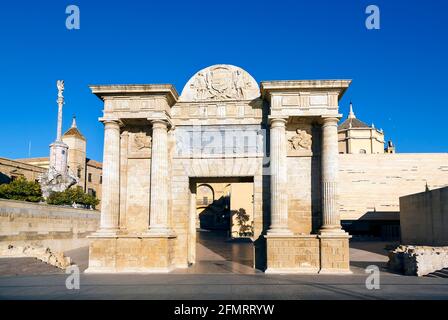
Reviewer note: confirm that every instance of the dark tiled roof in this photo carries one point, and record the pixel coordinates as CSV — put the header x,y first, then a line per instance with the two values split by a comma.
x,y
73,131
355,123
94,163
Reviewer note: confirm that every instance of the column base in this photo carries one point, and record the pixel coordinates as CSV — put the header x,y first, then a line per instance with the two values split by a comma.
x,y
308,254
159,232
333,232
292,254
334,253
280,233
107,233
131,254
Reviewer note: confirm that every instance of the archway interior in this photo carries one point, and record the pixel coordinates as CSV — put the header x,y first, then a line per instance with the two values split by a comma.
x,y
224,225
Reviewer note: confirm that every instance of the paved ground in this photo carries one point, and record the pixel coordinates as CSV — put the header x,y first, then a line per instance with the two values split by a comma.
x,y
223,272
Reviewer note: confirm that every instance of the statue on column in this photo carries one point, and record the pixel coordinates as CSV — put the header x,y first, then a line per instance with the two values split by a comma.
x,y
58,178
60,85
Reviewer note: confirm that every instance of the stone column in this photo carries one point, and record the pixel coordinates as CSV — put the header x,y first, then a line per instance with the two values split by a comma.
x,y
123,179
158,222
330,212
278,165
110,198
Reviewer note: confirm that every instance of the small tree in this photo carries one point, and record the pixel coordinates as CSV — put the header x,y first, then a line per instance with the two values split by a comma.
x,y
242,218
21,189
71,196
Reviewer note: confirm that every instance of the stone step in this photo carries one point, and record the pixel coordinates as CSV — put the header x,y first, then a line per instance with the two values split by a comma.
x,y
443,273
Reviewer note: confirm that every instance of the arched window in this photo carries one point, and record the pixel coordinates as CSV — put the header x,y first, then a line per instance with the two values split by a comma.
x,y
205,194
363,151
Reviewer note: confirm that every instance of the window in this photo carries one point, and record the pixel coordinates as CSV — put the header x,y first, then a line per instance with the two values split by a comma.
x,y
90,177
363,151
79,172
101,179
91,192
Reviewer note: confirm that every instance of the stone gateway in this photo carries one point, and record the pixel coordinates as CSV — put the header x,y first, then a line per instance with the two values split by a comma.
x,y
282,136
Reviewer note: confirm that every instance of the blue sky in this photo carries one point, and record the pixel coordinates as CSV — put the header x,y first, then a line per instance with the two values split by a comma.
x,y
399,72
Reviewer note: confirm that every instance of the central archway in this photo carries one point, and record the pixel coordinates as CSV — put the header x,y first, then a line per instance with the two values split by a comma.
x,y
222,238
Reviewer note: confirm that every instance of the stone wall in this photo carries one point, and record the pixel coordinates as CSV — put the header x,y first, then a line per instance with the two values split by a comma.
x,y
370,185
13,169
418,260
297,254
424,218
57,227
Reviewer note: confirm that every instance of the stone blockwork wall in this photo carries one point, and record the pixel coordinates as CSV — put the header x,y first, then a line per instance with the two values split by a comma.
x,y
308,254
131,254
11,168
424,218
298,254
58,227
370,185
299,194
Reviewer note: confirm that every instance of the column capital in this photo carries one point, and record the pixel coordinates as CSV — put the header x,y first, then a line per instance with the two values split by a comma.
x,y
277,121
330,120
112,121
161,123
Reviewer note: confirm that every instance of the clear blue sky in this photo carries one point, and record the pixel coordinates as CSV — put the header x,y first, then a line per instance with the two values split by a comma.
x,y
399,72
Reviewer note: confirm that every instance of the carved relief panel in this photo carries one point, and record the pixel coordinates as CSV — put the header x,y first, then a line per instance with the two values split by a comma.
x,y
300,140
140,143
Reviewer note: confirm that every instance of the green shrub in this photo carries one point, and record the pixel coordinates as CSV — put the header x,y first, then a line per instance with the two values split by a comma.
x,y
72,195
21,189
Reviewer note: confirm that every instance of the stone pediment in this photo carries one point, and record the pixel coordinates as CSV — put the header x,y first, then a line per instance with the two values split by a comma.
x,y
220,82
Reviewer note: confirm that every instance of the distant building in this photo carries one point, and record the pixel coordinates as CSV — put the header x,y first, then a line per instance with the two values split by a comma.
x,y
87,170
355,136
11,170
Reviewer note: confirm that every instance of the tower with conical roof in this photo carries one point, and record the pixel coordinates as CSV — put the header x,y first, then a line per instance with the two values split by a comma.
x,y
355,136
76,143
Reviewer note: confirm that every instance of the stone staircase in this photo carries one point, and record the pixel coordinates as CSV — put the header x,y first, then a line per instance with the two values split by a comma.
x,y
443,273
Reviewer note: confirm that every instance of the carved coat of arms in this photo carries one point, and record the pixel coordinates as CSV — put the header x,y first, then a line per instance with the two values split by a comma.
x,y
220,83
142,141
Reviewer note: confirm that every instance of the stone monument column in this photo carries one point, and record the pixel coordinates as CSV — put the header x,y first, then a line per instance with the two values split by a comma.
x,y
279,196
331,221
158,219
110,198
58,149
60,101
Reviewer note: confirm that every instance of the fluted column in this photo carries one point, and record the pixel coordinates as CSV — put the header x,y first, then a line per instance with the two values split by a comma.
x,y
158,222
278,165
330,211
110,197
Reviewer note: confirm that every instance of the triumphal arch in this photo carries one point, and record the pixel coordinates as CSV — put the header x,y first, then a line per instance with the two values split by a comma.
x,y
281,135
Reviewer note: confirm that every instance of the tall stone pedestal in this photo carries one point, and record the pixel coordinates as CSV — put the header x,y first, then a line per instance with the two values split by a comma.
x,y
115,254
334,253
327,254
292,254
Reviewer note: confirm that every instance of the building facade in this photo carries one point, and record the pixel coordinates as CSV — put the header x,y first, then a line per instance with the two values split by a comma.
x,y
282,136
355,136
276,151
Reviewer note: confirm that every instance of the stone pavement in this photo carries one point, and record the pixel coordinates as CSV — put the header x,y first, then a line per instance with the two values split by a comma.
x,y
221,286
217,277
